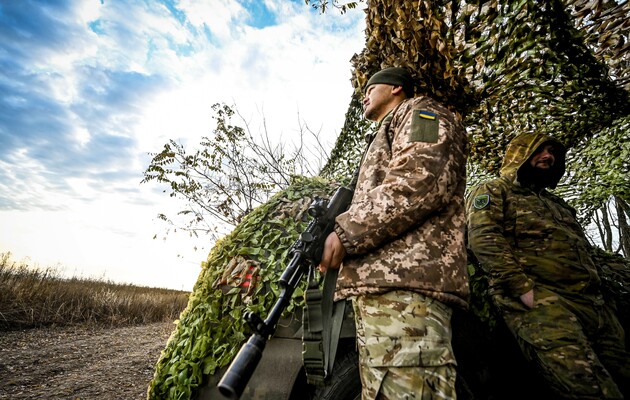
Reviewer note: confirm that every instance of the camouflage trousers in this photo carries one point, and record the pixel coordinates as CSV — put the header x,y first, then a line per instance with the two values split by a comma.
x,y
577,346
404,342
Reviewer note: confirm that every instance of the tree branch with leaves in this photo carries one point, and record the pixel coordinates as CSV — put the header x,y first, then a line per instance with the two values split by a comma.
x,y
231,173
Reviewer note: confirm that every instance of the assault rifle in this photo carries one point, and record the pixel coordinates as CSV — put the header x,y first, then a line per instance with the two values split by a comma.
x,y
306,253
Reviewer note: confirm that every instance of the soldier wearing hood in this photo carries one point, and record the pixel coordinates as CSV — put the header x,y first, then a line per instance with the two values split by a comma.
x,y
542,278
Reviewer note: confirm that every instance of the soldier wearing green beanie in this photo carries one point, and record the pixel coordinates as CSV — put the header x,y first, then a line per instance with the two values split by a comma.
x,y
402,243
394,76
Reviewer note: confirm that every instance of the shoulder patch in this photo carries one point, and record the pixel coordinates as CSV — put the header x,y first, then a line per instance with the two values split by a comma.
x,y
481,201
425,126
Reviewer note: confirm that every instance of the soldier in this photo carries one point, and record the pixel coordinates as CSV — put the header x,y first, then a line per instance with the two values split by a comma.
x,y
402,243
541,276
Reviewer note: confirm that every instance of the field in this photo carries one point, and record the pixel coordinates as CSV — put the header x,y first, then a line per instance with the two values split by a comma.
x,y
79,338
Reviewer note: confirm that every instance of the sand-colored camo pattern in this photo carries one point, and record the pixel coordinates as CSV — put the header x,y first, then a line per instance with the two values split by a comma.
x,y
404,342
405,226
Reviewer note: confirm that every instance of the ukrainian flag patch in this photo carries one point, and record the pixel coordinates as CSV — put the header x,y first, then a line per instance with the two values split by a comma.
x,y
427,115
425,126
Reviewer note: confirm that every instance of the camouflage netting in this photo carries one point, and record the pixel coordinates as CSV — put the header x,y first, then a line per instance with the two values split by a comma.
x,y
508,66
211,330
614,271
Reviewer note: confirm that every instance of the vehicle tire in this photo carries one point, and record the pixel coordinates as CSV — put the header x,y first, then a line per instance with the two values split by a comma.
x,y
344,383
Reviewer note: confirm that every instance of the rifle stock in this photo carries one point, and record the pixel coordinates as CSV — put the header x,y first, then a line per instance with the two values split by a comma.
x,y
306,253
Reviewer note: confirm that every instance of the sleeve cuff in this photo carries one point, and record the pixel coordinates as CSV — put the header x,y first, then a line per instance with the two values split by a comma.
x,y
342,237
523,286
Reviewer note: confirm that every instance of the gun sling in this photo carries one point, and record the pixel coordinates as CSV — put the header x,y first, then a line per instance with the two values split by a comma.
x,y
322,321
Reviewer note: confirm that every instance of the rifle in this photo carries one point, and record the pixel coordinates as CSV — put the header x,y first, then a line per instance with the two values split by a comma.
x,y
305,253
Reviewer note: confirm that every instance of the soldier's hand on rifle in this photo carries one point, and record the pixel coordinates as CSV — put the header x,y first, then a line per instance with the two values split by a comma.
x,y
333,254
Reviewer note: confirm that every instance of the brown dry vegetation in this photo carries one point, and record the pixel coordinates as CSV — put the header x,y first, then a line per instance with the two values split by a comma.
x,y
79,338
32,297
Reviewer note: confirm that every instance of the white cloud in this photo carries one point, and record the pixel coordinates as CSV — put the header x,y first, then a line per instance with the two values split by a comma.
x,y
221,17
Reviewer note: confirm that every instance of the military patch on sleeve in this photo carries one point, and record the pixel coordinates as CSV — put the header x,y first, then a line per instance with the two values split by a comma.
x,y
481,201
425,126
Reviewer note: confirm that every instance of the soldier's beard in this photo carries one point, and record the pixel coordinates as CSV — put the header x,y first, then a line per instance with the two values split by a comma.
x,y
372,113
537,177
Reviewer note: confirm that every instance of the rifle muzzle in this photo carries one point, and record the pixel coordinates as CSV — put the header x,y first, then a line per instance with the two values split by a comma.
x,y
235,379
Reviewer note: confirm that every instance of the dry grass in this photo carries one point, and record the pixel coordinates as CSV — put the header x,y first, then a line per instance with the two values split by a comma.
x,y
35,297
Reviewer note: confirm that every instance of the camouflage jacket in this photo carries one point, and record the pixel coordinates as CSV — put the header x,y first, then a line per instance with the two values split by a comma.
x,y
525,237
405,226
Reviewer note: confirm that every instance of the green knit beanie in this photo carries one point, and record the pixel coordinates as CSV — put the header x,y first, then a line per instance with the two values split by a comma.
x,y
395,76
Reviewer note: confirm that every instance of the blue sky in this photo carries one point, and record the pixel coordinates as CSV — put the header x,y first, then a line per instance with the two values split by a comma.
x,y
88,88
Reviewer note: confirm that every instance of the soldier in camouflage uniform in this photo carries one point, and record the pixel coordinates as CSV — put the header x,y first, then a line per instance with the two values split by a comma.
x,y
402,243
541,276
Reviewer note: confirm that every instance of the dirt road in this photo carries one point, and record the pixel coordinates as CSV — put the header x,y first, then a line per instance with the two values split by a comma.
x,y
80,363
